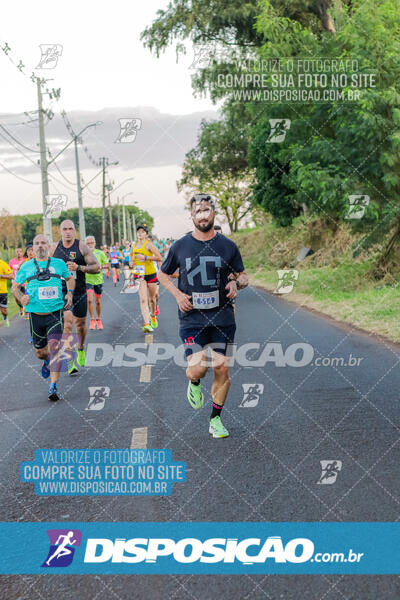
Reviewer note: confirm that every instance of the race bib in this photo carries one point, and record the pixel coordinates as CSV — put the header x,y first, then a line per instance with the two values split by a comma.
x,y
73,273
205,300
48,293
139,270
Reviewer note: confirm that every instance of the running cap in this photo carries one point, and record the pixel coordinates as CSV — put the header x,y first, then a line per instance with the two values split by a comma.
x,y
144,227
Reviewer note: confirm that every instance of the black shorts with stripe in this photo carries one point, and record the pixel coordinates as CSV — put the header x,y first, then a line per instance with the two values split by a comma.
x,y
42,326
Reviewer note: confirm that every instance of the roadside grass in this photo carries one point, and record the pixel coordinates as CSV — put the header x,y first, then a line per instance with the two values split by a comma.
x,y
330,281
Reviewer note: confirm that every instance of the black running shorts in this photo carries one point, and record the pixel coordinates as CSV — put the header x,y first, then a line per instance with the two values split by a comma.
x,y
44,325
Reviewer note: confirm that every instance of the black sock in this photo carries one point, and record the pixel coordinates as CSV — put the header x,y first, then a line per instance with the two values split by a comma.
x,y
197,382
216,410
4,316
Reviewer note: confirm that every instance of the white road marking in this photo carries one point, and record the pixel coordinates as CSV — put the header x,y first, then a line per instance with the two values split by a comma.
x,y
145,374
139,437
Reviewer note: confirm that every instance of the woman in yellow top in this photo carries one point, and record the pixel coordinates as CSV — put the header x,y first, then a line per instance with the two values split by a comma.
x,y
141,259
5,273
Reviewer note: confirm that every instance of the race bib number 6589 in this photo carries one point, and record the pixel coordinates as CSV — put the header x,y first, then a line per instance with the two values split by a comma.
x,y
205,300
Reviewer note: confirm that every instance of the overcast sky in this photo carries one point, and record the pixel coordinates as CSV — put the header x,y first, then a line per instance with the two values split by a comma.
x,y
103,66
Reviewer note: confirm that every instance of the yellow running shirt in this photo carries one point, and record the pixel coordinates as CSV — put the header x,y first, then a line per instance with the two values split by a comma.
x,y
149,267
4,270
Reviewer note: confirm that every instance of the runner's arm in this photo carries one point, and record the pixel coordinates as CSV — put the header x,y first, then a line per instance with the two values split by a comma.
x,y
184,301
156,253
131,258
165,280
92,266
241,279
19,296
70,281
7,275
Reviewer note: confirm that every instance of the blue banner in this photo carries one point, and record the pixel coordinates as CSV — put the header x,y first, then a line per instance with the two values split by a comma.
x,y
200,548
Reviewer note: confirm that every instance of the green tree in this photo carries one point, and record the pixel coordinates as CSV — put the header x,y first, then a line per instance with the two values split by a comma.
x,y
336,149
32,224
218,165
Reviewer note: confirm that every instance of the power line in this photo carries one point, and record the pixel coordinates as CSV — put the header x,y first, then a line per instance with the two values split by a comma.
x,y
18,177
59,170
61,183
86,187
15,139
19,150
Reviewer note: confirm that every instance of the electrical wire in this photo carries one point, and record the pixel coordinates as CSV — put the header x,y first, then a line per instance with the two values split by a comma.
x,y
59,170
86,187
19,150
15,139
18,177
61,183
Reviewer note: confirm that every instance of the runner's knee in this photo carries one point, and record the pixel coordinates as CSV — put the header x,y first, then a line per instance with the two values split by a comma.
x,y
196,371
221,371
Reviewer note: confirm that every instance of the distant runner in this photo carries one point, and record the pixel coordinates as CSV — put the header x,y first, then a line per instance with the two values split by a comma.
x,y
5,273
107,253
94,283
44,301
15,264
143,254
115,258
29,252
211,272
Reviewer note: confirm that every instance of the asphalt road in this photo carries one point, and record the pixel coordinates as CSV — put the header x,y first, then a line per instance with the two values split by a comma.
x,y
267,470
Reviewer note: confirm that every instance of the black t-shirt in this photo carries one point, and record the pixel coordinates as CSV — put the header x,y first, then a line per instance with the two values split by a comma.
x,y
204,268
73,253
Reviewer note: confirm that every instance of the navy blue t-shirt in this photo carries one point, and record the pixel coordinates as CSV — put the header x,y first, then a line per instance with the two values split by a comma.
x,y
204,268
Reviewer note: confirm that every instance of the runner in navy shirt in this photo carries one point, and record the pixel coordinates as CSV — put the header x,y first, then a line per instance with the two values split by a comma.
x,y
210,273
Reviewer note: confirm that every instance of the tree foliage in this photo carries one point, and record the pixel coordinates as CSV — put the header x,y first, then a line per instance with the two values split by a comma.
x,y
31,225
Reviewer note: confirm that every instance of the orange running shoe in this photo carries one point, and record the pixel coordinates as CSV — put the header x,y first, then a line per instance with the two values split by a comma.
x,y
99,324
92,324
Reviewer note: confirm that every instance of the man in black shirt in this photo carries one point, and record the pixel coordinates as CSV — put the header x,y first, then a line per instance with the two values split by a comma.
x,y
80,260
211,272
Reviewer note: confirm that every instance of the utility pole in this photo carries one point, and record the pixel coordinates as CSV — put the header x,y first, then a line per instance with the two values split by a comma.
x,y
82,227
103,216
43,166
111,219
129,225
119,220
124,219
134,226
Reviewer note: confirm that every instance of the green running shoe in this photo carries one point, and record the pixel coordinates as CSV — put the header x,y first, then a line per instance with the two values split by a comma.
x,y
195,395
154,322
217,429
72,368
147,328
6,323
81,358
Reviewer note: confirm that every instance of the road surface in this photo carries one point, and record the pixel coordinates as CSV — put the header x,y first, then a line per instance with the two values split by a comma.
x,y
267,470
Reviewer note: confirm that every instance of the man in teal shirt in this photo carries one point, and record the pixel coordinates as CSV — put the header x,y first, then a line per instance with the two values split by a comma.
x,y
44,302
94,283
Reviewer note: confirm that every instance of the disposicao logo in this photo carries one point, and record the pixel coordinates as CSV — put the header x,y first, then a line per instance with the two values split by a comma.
x,y
62,547
191,550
